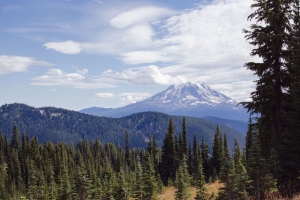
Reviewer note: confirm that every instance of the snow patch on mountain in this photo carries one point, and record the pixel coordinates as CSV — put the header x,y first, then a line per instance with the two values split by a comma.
x,y
191,95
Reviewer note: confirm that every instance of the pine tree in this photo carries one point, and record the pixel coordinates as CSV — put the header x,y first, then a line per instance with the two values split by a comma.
x,y
139,185
240,177
225,164
121,187
32,181
205,158
182,181
259,170
195,160
248,137
127,150
168,160
149,180
82,186
184,144
217,153
270,37
290,160
15,141
200,181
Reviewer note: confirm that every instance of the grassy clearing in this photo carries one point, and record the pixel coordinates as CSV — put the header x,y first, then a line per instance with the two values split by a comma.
x,y
169,192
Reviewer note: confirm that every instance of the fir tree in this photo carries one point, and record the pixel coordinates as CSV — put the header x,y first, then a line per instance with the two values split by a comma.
x,y
200,181
205,158
184,142
149,180
168,160
139,185
224,173
127,150
270,36
182,181
217,153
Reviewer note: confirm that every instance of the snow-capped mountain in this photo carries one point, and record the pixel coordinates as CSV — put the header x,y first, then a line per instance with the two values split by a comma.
x,y
189,99
190,95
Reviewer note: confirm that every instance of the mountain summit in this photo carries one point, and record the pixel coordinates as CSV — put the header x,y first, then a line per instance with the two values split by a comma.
x,y
189,99
191,95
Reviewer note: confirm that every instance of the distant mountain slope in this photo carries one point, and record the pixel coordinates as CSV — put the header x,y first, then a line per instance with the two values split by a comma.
x,y
189,99
238,125
58,124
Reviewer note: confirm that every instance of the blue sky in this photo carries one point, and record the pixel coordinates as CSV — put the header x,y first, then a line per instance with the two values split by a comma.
x,y
76,54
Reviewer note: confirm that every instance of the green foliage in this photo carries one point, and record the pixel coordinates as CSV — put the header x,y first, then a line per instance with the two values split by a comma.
x,y
149,180
182,181
168,164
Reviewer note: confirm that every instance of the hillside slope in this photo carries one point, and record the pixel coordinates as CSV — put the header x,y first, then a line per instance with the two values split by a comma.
x,y
56,124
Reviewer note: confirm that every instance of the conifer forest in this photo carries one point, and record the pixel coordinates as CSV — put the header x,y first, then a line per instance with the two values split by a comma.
x,y
268,167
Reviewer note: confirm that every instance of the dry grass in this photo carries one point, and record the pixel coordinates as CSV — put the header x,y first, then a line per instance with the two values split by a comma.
x,y
169,192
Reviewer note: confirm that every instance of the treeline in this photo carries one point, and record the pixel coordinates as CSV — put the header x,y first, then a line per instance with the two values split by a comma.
x,y
92,170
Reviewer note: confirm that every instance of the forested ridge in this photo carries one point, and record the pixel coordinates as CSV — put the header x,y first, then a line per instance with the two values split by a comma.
x,y
96,170
61,125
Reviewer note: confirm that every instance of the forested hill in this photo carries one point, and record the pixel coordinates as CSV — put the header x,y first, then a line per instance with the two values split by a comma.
x,y
56,124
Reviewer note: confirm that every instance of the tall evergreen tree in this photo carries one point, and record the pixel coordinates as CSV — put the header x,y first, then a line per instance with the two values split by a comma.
x,y
217,153
291,148
168,160
15,140
225,163
184,143
149,179
182,181
127,150
270,37
205,158
200,181
139,185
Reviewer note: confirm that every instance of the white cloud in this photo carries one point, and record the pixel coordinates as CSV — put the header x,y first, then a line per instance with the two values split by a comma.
x,y
104,95
10,64
138,57
66,47
129,98
56,77
147,76
139,15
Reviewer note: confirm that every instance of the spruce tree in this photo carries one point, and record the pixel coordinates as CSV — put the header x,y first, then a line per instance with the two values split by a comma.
x,y
200,181
184,144
182,181
168,158
269,35
205,158
127,150
217,153
225,163
289,179
139,185
149,179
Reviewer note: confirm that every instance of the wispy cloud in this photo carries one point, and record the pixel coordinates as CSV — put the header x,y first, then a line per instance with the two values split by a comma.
x,y
125,98
56,77
67,47
105,95
150,75
10,64
128,98
139,15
